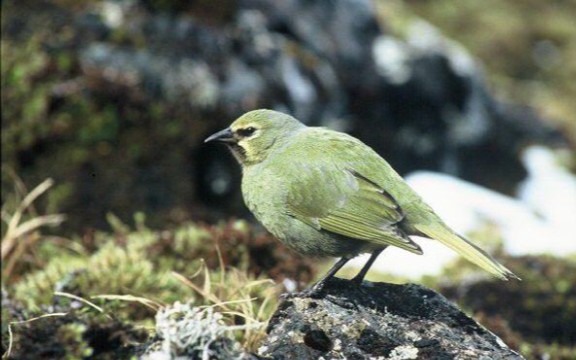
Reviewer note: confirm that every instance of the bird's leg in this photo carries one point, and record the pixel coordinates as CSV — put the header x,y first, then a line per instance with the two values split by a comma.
x,y
315,289
360,277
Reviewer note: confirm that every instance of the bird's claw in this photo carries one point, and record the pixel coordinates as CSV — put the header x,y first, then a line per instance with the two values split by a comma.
x,y
357,281
314,292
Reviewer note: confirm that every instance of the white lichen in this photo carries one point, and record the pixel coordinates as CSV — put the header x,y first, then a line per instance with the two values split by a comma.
x,y
187,331
404,352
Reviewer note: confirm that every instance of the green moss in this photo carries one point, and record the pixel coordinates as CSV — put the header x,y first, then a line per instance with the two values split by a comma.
x,y
38,287
71,336
115,268
22,120
136,262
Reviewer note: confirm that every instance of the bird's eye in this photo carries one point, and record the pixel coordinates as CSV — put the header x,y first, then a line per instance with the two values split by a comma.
x,y
246,132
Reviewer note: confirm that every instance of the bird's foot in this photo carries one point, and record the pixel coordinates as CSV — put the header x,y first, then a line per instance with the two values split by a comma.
x,y
315,292
357,280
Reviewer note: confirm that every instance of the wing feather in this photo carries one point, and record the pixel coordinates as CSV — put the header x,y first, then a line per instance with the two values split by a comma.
x,y
355,207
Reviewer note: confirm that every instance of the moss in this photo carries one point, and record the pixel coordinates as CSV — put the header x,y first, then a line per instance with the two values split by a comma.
x,y
97,138
27,102
142,262
124,263
72,336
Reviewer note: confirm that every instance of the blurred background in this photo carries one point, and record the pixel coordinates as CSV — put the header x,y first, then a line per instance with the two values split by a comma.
x,y
472,101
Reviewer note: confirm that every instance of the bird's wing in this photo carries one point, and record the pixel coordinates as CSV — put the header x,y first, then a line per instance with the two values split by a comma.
x,y
349,204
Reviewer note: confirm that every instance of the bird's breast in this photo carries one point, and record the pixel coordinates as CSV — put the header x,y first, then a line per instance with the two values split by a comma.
x,y
264,194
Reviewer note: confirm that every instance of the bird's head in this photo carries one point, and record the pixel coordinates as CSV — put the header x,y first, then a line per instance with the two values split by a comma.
x,y
254,135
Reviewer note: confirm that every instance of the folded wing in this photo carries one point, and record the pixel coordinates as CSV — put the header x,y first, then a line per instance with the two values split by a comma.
x,y
351,205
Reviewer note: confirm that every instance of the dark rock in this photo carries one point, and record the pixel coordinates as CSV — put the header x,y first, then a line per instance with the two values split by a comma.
x,y
317,339
377,320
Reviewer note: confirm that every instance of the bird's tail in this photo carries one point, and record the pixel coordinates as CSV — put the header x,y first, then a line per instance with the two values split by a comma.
x,y
470,251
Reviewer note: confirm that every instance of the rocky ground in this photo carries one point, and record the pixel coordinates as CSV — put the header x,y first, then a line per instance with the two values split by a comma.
x,y
378,320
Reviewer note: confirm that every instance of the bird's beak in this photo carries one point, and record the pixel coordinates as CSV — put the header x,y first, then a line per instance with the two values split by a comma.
x,y
225,135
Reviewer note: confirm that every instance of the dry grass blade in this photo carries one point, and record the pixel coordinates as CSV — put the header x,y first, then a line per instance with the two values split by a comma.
x,y
6,355
21,235
238,288
207,295
35,223
78,298
151,304
26,202
244,316
17,230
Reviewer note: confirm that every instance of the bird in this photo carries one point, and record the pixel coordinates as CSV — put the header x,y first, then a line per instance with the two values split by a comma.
x,y
325,193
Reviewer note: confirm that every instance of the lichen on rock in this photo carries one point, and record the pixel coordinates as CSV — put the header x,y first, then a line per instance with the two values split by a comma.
x,y
377,320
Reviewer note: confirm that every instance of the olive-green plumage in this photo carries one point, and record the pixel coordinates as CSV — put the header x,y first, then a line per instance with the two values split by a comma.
x,y
325,193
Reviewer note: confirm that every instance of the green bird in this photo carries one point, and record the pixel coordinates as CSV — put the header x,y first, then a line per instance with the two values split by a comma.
x,y
325,193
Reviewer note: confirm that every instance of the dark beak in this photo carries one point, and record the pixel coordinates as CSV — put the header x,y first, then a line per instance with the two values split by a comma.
x,y
225,135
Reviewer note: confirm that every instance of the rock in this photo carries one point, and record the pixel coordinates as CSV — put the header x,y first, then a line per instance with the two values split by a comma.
x,y
377,320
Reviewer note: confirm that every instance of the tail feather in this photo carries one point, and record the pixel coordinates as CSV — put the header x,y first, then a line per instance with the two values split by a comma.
x,y
468,250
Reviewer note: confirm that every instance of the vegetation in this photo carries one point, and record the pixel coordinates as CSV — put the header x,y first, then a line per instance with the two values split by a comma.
x,y
73,294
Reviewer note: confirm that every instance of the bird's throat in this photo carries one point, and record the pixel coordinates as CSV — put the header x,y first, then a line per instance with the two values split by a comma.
x,y
239,152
